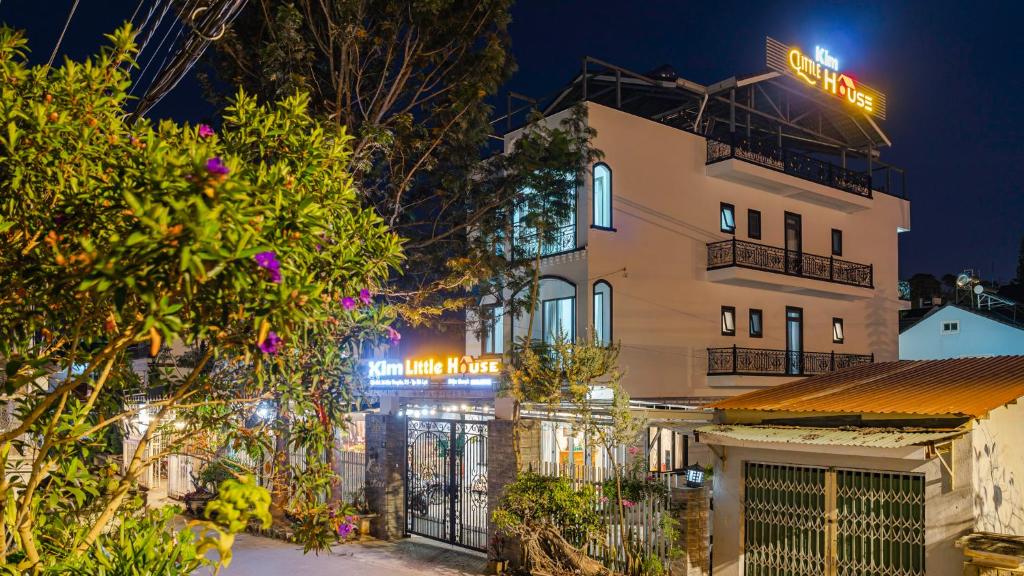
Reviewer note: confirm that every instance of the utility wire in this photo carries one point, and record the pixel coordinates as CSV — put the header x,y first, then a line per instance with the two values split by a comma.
x,y
53,55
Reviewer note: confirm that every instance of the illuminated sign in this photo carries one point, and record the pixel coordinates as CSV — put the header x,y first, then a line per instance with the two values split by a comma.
x,y
822,71
451,371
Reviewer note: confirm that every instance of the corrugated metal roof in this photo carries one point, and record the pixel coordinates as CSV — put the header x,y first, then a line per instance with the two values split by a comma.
x,y
867,437
960,386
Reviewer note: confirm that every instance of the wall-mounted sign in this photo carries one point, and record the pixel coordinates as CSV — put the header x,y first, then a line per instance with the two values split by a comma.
x,y
821,69
451,371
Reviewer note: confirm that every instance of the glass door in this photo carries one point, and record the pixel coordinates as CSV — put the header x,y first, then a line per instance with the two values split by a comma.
x,y
794,340
794,244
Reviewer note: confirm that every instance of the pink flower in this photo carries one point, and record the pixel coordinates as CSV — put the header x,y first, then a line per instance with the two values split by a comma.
x,y
365,297
205,131
633,450
269,262
348,302
393,336
628,503
603,499
216,166
272,344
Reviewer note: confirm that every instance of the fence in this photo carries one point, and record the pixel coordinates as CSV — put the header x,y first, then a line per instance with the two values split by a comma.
x,y
645,521
352,466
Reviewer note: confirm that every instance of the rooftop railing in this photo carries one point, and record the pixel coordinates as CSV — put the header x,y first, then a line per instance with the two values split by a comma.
x,y
743,254
563,240
764,362
770,155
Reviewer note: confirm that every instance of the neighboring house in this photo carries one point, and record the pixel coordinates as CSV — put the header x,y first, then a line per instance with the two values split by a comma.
x,y
872,470
956,331
730,239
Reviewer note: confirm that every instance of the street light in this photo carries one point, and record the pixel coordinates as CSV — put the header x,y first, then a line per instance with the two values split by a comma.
x,y
695,476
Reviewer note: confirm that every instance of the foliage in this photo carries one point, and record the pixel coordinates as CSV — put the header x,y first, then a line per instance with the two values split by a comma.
x,y
534,500
635,484
237,252
215,472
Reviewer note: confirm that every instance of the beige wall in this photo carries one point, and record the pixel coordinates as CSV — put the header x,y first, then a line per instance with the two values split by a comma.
x,y
948,510
666,312
998,464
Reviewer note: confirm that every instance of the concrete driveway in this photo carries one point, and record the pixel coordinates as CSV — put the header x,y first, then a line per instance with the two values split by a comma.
x,y
258,556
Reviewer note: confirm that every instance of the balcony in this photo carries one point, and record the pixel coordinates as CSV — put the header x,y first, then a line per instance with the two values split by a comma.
x,y
742,254
563,239
789,173
762,362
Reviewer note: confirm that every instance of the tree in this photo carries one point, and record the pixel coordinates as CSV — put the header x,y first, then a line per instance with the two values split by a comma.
x,y
924,287
249,246
411,81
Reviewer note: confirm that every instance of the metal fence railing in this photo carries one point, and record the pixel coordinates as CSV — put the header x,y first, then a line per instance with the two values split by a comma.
x,y
764,362
743,254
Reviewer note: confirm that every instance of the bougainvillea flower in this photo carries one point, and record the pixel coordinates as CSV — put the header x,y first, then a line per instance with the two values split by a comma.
x,y
344,529
272,344
633,450
348,302
205,131
393,335
216,166
365,297
269,262
628,503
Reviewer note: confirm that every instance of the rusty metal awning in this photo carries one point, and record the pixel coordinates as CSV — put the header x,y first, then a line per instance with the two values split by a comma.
x,y
863,437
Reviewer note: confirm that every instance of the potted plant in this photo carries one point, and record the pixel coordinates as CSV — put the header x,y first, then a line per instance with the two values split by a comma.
x,y
363,512
497,564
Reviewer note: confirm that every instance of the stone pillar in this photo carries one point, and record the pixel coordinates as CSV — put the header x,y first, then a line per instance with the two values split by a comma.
x,y
692,506
502,468
386,455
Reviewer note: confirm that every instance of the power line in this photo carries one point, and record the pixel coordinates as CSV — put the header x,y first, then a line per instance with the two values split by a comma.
x,y
53,55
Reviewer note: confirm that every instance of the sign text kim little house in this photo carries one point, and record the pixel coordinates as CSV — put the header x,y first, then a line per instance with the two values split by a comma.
x,y
451,371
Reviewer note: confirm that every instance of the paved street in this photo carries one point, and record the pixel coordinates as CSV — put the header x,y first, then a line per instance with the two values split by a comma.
x,y
257,556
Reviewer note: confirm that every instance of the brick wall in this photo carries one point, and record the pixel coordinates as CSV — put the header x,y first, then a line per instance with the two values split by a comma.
x,y
385,474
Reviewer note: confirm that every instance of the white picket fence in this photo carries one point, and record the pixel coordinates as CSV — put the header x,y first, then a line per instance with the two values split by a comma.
x,y
644,521
352,466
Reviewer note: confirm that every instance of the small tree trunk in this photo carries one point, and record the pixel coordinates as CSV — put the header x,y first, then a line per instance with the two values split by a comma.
x,y
282,470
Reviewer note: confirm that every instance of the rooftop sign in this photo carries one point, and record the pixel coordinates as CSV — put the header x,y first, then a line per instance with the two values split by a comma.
x,y
821,69
449,371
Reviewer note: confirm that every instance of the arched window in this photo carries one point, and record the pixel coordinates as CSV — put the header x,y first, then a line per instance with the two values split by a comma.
x,y
603,312
602,196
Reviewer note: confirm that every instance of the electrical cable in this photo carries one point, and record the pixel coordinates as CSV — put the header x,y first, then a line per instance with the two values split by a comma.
x,y
67,23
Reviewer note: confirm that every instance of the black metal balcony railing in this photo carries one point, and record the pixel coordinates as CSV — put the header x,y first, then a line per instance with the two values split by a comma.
x,y
762,362
770,155
563,240
744,254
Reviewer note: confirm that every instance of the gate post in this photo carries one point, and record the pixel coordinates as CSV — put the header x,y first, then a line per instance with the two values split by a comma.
x,y
386,455
692,510
502,469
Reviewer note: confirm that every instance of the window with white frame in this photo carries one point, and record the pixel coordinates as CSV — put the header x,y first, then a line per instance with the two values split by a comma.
x,y
837,331
603,311
728,321
493,336
728,218
558,319
602,196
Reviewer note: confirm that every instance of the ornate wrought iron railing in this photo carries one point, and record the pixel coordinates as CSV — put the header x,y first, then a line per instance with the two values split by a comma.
x,y
764,362
563,240
745,254
770,155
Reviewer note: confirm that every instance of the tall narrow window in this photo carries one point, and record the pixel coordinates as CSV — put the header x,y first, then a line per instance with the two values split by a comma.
x,y
837,242
728,321
602,196
728,218
493,319
754,224
558,319
837,331
756,326
602,312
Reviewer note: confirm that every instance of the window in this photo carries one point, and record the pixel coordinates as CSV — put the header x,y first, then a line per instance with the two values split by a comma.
x,y
562,237
558,319
951,327
668,450
756,327
728,321
728,218
603,312
837,331
754,224
602,196
837,242
493,337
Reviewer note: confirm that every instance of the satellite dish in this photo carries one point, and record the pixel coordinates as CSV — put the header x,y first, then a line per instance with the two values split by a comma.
x,y
978,288
963,280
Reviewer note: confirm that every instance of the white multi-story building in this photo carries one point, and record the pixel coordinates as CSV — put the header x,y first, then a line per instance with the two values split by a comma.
x,y
733,237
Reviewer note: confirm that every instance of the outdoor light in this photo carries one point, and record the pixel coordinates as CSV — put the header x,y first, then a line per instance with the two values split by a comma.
x,y
263,411
694,476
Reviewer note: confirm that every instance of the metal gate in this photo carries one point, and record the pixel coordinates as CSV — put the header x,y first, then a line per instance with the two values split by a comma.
x,y
446,481
801,520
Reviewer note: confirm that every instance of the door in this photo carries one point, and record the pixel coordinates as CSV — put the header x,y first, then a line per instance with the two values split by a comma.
x,y
794,340
794,244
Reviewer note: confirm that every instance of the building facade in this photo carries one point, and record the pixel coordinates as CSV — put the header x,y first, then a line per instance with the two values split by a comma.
x,y
727,239
954,331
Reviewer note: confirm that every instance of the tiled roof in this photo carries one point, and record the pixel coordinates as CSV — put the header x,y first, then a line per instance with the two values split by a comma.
x,y
867,437
960,386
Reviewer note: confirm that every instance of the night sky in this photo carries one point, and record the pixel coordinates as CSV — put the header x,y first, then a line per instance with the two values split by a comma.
x,y
950,70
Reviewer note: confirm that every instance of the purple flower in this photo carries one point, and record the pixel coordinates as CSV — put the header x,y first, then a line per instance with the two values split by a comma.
x,y
271,344
393,335
345,529
269,262
205,131
365,297
216,166
348,302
